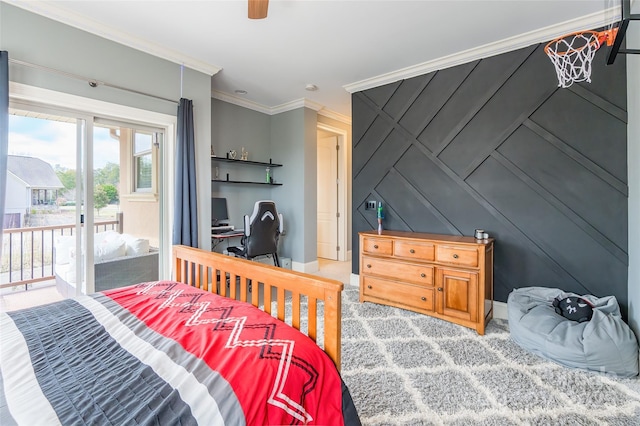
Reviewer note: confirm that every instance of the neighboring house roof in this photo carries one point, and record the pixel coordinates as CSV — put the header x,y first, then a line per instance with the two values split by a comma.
x,y
35,172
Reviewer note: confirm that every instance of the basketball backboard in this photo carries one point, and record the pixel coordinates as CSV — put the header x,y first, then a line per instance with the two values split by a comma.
x,y
622,25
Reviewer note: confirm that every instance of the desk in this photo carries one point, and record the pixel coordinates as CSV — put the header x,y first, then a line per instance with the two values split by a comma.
x,y
216,239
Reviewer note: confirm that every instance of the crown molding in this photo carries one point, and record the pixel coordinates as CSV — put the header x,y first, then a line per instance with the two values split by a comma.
x,y
236,100
298,103
289,106
594,20
67,17
335,116
241,102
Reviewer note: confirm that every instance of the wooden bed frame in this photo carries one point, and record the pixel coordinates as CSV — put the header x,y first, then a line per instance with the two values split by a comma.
x,y
203,269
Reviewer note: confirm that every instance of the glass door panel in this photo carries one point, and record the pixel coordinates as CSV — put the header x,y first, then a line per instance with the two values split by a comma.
x,y
77,182
41,226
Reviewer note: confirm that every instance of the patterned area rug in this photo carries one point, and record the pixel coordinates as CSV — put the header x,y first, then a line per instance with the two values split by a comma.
x,y
404,368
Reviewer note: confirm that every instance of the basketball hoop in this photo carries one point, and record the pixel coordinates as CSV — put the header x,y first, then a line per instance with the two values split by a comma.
x,y
572,54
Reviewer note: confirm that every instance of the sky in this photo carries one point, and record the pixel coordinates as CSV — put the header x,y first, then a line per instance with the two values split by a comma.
x,y
55,142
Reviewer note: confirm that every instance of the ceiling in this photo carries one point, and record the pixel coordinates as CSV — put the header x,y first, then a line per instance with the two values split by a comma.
x,y
339,46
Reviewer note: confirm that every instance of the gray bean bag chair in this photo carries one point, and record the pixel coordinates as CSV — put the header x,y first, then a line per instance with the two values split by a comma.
x,y
604,343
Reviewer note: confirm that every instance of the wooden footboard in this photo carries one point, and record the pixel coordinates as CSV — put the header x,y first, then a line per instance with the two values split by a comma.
x,y
255,282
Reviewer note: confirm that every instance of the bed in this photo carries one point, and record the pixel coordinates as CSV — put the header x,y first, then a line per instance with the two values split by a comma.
x,y
210,347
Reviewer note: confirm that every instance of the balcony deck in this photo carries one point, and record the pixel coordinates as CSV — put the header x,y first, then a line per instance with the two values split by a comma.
x,y
40,294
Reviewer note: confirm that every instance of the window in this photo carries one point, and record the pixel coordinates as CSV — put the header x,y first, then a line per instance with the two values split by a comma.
x,y
142,161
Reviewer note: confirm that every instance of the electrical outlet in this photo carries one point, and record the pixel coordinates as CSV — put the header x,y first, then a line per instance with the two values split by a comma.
x,y
370,205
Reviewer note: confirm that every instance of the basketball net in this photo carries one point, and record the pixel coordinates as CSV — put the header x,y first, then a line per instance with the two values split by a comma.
x,y
572,54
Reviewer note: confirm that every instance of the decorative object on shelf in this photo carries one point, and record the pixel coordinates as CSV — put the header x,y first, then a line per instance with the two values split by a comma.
x,y
213,154
268,175
228,159
245,154
232,154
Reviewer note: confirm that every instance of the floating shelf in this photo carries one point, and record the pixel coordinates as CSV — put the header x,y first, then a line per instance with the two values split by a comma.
x,y
253,163
246,182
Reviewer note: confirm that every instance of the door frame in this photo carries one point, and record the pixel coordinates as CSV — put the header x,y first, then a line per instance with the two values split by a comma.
x,y
343,253
93,107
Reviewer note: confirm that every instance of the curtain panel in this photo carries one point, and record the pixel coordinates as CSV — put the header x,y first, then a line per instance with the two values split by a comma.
x,y
185,219
4,132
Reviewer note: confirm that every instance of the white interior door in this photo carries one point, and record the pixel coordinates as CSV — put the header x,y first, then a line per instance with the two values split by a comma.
x,y
328,197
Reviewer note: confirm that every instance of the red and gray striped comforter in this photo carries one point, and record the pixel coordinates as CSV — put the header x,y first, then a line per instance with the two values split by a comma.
x,y
163,353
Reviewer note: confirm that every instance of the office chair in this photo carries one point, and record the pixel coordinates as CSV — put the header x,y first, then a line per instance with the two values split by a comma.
x,y
261,232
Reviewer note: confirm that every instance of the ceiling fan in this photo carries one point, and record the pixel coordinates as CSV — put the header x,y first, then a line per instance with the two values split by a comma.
x,y
258,9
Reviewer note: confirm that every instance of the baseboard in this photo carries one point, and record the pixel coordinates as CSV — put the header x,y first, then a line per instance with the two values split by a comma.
x,y
354,280
500,310
309,267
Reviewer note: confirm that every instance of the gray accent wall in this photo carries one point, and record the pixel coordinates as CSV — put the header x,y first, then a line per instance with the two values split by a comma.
x,y
234,127
495,144
288,138
633,138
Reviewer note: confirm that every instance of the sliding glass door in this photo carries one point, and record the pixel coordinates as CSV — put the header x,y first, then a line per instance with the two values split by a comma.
x,y
83,201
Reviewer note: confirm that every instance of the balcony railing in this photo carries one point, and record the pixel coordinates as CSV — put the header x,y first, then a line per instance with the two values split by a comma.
x,y
27,254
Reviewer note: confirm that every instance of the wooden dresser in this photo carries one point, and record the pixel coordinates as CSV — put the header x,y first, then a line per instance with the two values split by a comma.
x,y
445,276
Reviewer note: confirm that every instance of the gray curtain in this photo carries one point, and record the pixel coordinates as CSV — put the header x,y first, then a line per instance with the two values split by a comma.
x,y
185,220
4,133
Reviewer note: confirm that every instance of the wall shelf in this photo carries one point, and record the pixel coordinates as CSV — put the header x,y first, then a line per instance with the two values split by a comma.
x,y
248,163
246,182
252,163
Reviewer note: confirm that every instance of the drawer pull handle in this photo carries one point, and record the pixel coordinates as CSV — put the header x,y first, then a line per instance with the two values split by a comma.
x,y
369,287
375,246
368,265
439,288
455,256
424,299
412,251
423,275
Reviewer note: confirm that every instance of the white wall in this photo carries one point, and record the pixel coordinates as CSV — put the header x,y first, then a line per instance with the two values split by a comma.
x,y
17,196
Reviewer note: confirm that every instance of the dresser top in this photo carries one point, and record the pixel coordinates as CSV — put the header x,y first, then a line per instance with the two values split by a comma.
x,y
425,236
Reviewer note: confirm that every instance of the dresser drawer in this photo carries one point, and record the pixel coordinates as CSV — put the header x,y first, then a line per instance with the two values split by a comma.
x,y
456,255
413,296
378,246
414,250
399,271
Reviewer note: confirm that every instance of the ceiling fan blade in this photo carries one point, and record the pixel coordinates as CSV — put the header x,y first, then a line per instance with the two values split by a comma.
x,y
258,9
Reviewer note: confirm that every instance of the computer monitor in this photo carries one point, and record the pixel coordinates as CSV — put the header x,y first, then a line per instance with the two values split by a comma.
x,y
219,212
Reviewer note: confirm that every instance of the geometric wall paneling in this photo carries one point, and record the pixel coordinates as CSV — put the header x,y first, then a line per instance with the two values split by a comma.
x,y
425,106
405,95
375,136
364,116
409,209
381,160
495,144
563,116
613,90
561,240
472,94
571,187
381,94
512,103
451,200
